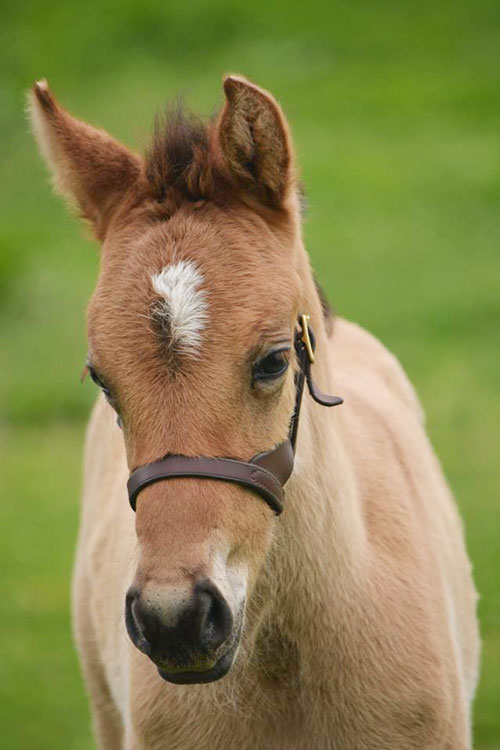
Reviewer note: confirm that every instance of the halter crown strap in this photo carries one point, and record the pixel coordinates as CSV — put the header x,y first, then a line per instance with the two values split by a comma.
x,y
267,472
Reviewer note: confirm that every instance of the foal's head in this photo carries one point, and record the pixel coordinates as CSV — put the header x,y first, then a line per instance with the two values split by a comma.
x,y
190,334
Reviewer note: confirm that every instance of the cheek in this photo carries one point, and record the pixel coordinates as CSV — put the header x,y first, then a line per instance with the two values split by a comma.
x,y
230,576
274,408
250,534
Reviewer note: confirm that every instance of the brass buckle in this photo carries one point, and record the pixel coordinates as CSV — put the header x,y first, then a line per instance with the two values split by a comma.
x,y
305,338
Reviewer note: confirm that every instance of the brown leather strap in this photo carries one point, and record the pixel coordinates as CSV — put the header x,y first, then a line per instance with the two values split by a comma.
x,y
278,461
251,475
304,374
318,396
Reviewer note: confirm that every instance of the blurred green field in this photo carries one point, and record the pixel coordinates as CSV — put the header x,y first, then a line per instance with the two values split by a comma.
x,y
395,110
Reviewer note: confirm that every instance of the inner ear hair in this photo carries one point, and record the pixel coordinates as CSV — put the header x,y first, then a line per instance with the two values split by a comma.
x,y
255,142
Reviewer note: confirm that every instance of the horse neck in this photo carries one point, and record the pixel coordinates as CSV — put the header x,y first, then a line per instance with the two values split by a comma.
x,y
323,520
318,558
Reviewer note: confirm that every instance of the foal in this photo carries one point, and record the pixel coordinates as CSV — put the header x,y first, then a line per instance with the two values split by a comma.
x,y
348,622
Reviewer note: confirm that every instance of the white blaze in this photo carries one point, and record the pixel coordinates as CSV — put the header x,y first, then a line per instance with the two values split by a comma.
x,y
184,306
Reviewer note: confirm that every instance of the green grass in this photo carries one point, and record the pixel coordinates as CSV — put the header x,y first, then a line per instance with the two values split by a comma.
x,y
396,114
41,696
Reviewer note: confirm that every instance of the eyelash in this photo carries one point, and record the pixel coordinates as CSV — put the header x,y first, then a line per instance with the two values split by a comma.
x,y
107,393
95,378
279,355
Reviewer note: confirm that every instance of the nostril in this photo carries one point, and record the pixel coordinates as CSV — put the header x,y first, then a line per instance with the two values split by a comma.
x,y
214,620
203,615
176,626
133,623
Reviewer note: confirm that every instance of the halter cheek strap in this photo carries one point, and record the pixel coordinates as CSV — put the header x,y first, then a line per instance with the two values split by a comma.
x,y
267,472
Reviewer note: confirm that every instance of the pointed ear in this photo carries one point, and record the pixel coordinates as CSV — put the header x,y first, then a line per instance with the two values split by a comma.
x,y
89,167
255,143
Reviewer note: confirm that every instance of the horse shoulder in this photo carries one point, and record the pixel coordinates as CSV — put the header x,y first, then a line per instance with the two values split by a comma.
x,y
410,514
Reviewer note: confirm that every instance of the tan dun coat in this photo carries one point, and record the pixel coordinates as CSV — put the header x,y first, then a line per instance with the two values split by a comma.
x,y
348,623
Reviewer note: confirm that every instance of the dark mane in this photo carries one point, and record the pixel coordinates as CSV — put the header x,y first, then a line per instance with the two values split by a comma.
x,y
177,162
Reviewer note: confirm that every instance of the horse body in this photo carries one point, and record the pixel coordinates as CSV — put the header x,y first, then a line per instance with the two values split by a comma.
x,y
363,631
348,622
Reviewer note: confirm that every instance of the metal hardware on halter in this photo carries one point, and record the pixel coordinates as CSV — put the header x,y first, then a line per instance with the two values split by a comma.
x,y
267,472
305,338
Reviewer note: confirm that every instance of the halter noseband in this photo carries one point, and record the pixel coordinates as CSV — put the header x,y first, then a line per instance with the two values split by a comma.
x,y
266,473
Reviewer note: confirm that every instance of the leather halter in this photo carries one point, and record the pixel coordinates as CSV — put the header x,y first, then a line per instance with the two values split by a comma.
x,y
266,473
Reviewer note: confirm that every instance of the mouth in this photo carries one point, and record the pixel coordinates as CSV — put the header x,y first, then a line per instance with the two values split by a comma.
x,y
179,667
219,670
193,676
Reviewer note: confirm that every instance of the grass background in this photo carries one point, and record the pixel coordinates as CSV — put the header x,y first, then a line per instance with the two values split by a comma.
x,y
396,115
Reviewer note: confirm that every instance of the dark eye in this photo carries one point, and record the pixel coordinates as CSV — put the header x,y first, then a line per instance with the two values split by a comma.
x,y
107,393
95,377
271,366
